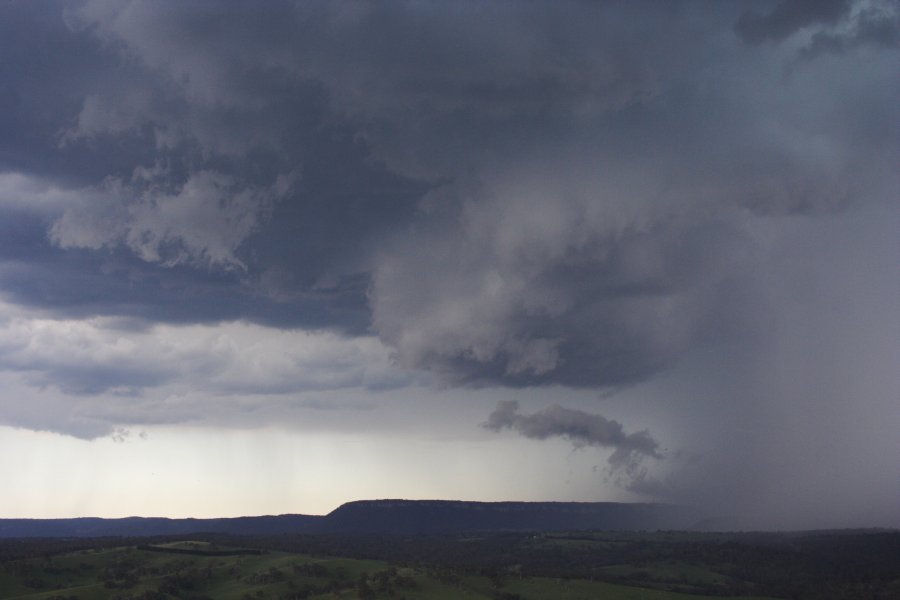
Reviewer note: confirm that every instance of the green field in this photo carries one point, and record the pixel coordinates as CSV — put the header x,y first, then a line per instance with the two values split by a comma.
x,y
131,573
849,565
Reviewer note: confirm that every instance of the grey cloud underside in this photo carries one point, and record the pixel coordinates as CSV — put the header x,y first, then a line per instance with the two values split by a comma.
x,y
81,283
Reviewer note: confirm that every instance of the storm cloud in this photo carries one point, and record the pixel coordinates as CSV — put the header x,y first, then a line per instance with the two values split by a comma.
x,y
208,207
788,17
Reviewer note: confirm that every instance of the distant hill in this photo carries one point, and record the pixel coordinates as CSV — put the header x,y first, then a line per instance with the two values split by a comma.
x,y
382,516
447,516
140,526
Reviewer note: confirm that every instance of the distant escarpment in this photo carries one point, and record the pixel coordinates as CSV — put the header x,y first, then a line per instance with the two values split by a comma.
x,y
382,516
447,516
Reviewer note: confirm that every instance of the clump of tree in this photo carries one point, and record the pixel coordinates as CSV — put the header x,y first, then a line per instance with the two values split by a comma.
x,y
265,577
317,570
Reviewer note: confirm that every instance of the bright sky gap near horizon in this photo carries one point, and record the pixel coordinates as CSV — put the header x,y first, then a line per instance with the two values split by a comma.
x,y
263,258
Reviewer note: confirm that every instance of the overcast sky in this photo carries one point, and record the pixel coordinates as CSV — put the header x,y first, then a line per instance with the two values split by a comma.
x,y
270,257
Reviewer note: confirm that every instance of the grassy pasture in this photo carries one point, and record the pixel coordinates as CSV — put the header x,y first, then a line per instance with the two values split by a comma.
x,y
129,573
850,565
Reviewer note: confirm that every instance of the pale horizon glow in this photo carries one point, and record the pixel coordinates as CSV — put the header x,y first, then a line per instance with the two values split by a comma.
x,y
209,473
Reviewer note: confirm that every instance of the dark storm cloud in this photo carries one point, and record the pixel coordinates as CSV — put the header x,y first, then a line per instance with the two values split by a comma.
x,y
580,428
79,283
837,26
45,73
877,26
788,17
596,245
236,178
545,202
605,311
170,131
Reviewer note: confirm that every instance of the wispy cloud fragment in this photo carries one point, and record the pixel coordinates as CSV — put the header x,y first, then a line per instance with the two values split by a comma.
x,y
582,429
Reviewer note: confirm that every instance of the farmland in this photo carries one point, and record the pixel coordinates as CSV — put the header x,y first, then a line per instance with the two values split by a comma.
x,y
492,566
200,570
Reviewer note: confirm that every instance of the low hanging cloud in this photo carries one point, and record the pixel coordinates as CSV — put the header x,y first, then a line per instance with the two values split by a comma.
x,y
582,429
91,375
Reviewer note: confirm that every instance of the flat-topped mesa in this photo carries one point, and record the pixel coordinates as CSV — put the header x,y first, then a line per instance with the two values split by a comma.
x,y
447,516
